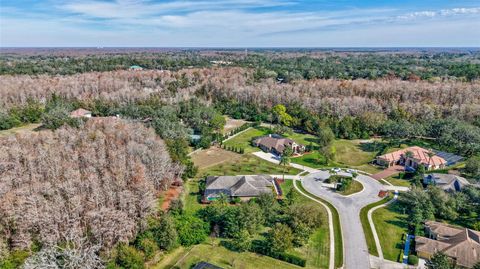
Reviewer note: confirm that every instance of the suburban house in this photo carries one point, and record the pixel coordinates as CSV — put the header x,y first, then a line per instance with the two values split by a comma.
x,y
413,157
81,113
244,187
447,182
460,244
277,144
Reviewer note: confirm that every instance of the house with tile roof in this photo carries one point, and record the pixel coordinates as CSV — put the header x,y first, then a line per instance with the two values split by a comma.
x,y
447,182
459,244
413,157
276,144
244,187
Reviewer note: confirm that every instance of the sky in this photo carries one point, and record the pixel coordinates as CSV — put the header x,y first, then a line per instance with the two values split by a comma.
x,y
239,23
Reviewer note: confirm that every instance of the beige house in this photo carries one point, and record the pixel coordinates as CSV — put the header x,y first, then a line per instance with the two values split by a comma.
x,y
418,156
460,244
277,144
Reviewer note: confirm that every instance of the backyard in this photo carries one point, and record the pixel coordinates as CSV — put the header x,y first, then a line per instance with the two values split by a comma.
x,y
391,225
247,164
243,140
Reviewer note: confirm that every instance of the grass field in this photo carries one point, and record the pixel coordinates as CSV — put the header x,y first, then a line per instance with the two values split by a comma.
x,y
397,181
247,164
354,187
390,224
349,153
367,229
337,229
216,254
213,156
243,140
192,196
22,129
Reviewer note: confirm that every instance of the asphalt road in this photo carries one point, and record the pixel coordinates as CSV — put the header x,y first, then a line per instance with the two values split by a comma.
x,y
355,246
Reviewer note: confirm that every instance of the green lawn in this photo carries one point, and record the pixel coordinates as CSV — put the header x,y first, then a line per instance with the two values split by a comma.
x,y
304,139
367,229
354,187
216,254
313,159
192,196
390,224
397,181
337,229
353,153
244,139
248,165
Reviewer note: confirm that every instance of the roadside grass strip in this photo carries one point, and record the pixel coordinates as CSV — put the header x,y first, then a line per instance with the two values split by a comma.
x,y
367,229
337,230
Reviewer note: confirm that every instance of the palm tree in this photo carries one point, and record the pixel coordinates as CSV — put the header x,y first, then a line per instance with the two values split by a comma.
x,y
285,159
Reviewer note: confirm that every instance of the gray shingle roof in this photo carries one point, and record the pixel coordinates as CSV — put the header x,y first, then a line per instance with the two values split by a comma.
x,y
239,186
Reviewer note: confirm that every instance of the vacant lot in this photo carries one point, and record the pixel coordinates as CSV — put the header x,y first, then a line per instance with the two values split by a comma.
x,y
247,164
213,156
390,224
243,140
232,124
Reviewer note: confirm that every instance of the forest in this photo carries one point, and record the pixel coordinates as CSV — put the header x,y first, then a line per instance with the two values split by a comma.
x,y
88,188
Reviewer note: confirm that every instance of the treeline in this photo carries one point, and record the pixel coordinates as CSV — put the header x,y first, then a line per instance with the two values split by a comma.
x,y
284,65
14,64
90,188
414,67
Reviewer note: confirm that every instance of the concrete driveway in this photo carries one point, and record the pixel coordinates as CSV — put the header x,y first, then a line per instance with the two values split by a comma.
x,y
355,246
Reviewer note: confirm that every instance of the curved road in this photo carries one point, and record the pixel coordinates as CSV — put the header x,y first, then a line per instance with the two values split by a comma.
x,y
348,207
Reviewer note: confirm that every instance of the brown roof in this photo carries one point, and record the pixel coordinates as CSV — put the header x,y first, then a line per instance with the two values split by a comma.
x,y
463,245
79,113
420,154
274,143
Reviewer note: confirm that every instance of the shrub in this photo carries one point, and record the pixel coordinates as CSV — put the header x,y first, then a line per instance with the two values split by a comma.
x,y
129,257
191,230
412,260
149,247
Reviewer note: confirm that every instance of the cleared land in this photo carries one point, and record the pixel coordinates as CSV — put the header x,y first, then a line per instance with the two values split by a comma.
x,y
247,164
232,124
390,224
213,156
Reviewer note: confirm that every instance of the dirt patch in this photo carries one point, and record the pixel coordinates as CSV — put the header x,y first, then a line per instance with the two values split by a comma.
x,y
213,156
170,195
232,124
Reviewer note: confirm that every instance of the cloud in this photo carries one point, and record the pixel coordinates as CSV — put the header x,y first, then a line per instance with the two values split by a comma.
x,y
228,23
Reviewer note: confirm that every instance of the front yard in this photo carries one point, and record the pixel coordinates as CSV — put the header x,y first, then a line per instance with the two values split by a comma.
x,y
391,225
